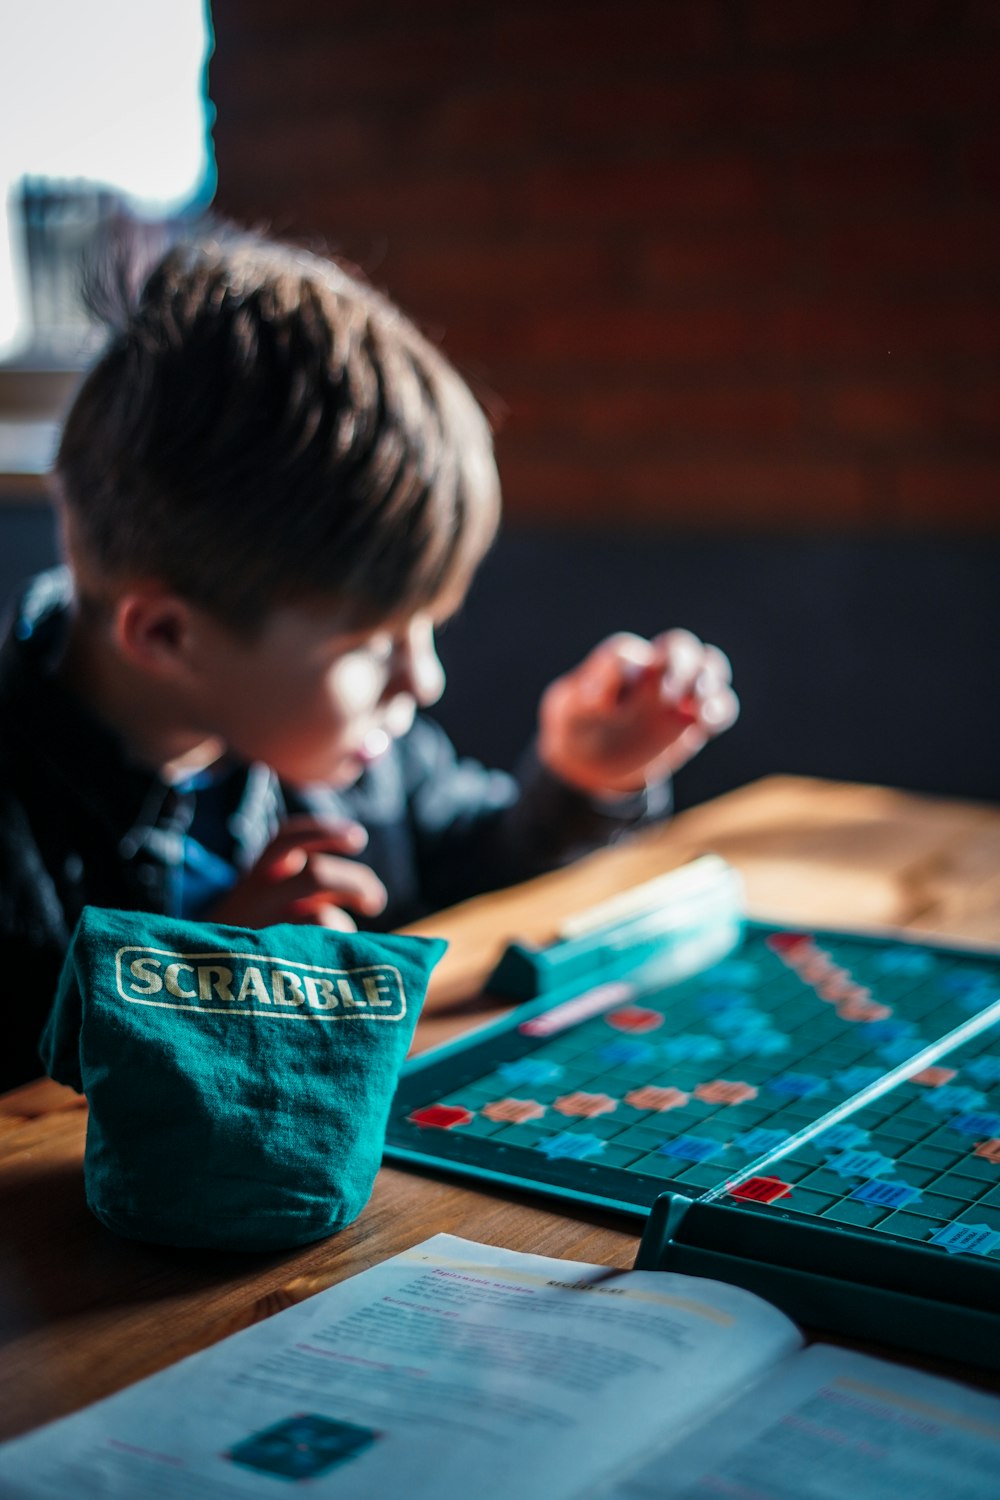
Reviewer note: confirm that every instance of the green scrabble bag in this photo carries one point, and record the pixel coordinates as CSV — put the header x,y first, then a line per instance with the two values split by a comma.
x,y
239,1081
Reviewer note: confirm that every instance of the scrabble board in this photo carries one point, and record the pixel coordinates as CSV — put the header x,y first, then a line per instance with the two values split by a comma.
x,y
781,1078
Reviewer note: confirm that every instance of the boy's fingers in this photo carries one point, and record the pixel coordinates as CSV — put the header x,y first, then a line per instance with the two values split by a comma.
x,y
355,884
288,851
305,830
683,650
328,881
624,643
335,919
331,917
615,668
678,650
684,748
719,710
679,656
718,662
691,670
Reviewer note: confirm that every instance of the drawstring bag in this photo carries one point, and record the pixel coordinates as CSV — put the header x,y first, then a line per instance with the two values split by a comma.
x,y
239,1080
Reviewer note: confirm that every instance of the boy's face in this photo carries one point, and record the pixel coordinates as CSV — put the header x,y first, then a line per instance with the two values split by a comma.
x,y
313,697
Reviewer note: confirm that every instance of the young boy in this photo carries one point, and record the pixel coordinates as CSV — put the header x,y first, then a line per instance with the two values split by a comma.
x,y
272,489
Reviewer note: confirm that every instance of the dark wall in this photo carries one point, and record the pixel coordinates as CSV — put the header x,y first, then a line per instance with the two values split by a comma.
x,y
865,660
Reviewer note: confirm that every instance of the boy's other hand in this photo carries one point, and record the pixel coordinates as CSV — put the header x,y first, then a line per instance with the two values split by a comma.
x,y
635,711
300,878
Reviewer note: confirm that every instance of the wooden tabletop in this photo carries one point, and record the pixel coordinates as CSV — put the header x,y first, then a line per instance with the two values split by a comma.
x,y
83,1313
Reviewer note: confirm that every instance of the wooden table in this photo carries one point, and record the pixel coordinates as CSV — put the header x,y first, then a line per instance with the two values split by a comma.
x,y
83,1313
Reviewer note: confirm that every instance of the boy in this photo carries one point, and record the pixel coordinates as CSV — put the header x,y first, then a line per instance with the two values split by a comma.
x,y
272,489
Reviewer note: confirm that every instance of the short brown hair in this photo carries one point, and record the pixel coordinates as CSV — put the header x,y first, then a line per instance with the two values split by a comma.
x,y
264,427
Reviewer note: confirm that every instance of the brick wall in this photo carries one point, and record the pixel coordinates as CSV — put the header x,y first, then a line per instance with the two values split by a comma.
x,y
708,262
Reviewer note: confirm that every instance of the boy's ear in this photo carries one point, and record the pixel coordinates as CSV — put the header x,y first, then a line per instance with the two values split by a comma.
x,y
155,630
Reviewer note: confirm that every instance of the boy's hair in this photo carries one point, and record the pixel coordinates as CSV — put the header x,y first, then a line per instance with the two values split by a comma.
x,y
264,428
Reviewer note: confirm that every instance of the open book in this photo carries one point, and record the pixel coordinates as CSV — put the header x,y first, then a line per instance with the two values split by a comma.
x,y
457,1371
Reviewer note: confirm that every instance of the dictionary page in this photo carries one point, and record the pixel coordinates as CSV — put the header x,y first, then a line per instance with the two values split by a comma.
x,y
831,1424
454,1369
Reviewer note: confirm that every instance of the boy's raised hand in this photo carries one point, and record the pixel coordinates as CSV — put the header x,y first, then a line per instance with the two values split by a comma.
x,y
635,711
299,878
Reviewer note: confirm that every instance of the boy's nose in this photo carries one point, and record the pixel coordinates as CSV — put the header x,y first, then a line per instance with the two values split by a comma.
x,y
417,667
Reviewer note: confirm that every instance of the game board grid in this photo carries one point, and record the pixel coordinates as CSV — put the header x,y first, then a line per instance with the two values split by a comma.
x,y
926,1155
956,1187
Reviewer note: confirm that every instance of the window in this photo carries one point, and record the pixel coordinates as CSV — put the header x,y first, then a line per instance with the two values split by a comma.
x,y
102,110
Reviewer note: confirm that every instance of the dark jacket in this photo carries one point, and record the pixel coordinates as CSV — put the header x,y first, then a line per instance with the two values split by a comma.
x,y
83,824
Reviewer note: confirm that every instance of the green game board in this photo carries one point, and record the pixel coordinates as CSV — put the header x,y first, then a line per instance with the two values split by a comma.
x,y
777,1084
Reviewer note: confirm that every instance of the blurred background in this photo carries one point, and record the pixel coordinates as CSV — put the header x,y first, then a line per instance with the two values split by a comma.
x,y
725,274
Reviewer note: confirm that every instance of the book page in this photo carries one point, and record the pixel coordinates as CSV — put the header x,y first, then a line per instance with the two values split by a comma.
x,y
454,1369
831,1423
